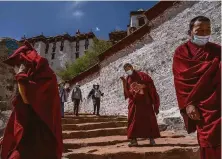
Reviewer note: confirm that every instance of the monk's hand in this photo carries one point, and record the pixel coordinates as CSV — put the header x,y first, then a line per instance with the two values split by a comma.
x,y
157,112
193,112
123,79
22,68
141,86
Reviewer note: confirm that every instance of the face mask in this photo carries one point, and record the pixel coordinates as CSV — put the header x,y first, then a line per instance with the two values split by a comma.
x,y
96,87
129,72
200,40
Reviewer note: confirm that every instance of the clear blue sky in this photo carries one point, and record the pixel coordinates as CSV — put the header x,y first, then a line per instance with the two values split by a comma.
x,y
53,18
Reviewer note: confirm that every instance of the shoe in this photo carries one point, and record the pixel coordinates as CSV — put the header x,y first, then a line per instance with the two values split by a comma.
x,y
152,142
94,113
133,143
98,114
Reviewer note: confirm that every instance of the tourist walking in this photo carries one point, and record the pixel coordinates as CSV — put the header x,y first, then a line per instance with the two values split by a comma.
x,y
76,98
96,95
63,94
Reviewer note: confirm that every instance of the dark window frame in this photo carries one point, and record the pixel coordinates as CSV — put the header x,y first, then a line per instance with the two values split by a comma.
x,y
141,21
54,47
77,46
47,48
53,56
77,55
86,44
62,45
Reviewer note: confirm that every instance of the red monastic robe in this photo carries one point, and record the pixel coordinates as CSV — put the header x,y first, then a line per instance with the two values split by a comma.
x,y
197,77
142,122
34,129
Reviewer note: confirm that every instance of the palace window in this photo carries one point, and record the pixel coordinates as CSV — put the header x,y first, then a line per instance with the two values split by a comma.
x,y
54,47
86,44
141,21
46,48
77,55
77,46
62,45
53,55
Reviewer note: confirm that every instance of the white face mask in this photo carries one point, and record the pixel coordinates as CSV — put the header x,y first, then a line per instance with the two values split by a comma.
x,y
96,87
16,69
200,40
129,72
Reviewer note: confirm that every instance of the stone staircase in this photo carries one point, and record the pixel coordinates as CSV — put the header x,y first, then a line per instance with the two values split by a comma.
x,y
104,137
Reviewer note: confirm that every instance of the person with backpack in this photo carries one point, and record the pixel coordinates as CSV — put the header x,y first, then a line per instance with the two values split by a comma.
x,y
76,98
96,95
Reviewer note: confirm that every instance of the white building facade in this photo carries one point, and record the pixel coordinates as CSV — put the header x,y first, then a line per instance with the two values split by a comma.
x,y
62,49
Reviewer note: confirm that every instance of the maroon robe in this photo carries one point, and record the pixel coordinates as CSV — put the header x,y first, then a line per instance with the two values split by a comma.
x,y
34,130
197,77
142,122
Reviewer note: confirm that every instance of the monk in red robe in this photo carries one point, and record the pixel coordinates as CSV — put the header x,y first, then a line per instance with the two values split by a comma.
x,y
197,77
34,128
143,104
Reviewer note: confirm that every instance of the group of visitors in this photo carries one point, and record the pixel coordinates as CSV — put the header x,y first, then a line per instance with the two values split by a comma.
x,y
37,109
76,96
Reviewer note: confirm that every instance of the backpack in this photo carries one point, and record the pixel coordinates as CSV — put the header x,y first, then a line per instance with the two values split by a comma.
x,y
97,94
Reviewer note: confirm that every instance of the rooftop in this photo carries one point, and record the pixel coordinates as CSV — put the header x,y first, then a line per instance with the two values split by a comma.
x,y
65,36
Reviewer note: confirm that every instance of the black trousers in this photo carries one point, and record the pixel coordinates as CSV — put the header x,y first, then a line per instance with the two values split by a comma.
x,y
76,106
96,104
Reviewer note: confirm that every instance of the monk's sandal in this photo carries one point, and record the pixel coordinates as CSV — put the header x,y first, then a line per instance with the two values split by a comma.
x,y
133,143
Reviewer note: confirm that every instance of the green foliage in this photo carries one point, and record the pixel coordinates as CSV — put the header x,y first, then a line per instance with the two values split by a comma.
x,y
86,61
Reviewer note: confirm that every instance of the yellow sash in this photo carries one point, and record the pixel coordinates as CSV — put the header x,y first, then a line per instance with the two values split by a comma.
x,y
22,93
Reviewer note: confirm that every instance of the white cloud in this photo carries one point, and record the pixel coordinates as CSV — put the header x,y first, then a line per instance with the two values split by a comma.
x,y
76,4
78,13
72,9
97,29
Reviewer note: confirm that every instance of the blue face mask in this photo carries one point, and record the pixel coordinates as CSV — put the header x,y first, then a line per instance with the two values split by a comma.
x,y
200,40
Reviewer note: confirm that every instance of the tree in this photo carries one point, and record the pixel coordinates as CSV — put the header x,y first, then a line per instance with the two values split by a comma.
x,y
86,61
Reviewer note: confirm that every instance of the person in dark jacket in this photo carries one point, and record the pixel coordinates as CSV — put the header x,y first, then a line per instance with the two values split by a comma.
x,y
76,98
63,94
96,95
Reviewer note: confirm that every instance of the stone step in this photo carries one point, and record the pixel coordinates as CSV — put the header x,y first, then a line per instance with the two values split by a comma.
x,y
90,126
105,141
93,116
67,134
97,141
91,120
166,148
94,133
